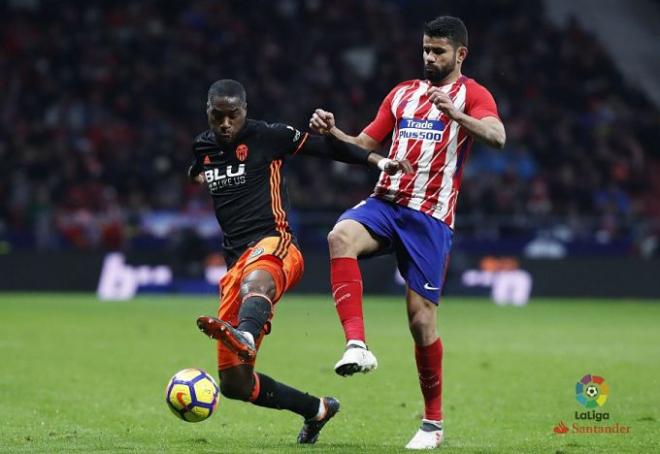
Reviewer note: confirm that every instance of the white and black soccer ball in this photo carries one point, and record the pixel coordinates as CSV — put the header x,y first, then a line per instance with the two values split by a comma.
x,y
591,391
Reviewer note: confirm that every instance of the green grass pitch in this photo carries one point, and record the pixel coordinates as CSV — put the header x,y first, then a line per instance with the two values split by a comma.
x,y
81,375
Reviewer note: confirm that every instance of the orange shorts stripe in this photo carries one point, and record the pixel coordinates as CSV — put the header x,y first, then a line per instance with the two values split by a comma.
x,y
286,272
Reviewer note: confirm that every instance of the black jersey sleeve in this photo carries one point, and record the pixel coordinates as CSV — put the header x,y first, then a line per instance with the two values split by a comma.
x,y
285,139
329,147
196,166
288,140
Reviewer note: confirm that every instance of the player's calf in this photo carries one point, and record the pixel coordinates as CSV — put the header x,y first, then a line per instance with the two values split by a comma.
x,y
238,390
255,311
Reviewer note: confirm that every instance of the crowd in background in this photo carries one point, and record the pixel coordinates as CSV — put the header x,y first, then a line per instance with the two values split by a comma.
x,y
100,101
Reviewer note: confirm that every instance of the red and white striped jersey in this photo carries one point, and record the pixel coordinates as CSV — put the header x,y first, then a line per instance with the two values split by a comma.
x,y
436,146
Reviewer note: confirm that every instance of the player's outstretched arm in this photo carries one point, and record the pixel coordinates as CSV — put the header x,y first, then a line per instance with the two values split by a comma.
x,y
390,166
330,147
323,122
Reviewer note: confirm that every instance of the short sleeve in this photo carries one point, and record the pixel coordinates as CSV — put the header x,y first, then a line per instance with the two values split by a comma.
x,y
285,139
382,125
480,103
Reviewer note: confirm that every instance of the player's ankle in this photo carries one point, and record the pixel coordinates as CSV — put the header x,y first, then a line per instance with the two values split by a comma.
x,y
431,424
322,411
356,343
254,313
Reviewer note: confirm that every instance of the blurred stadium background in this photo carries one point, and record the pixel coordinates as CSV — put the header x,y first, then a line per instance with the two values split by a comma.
x,y
99,102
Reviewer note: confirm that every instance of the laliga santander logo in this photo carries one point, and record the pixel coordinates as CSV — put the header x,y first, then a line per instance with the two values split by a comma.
x,y
591,391
561,428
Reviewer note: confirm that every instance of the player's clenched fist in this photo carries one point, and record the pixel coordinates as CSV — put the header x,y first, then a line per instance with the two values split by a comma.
x,y
393,166
442,101
322,121
197,178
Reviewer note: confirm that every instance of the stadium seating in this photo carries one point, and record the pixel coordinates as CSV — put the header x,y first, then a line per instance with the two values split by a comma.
x,y
100,106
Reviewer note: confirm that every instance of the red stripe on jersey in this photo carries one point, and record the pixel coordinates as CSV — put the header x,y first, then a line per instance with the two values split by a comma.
x,y
434,185
406,187
385,180
438,161
413,154
463,153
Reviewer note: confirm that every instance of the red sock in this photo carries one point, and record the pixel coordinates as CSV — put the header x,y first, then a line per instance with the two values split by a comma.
x,y
346,282
429,368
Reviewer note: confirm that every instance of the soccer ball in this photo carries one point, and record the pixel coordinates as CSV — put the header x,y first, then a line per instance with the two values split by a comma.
x,y
591,391
192,395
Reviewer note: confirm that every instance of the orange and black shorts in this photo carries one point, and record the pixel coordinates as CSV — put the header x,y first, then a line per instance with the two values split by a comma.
x,y
281,259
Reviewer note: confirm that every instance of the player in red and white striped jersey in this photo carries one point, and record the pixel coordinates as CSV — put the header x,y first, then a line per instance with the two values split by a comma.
x,y
432,123
432,139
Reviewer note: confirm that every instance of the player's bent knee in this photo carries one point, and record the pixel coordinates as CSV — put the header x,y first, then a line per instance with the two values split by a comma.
x,y
236,382
258,282
340,241
337,237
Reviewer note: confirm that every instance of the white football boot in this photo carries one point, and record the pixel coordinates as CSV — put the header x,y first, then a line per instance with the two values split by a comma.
x,y
357,358
428,436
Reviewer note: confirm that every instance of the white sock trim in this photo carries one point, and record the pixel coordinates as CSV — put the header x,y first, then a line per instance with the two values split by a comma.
x,y
260,295
357,343
438,424
248,335
321,413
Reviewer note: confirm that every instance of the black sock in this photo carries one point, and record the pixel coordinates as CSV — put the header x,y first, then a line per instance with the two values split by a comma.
x,y
253,315
273,394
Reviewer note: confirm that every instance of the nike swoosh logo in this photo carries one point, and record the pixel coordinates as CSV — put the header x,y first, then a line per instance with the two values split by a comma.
x,y
427,286
342,298
334,294
179,397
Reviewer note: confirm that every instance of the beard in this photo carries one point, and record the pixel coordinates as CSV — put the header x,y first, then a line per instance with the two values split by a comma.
x,y
436,75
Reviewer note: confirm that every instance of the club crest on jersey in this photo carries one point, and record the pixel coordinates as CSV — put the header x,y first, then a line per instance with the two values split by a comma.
x,y
421,129
242,152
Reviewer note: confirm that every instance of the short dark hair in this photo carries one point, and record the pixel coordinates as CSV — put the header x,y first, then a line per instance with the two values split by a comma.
x,y
449,27
227,88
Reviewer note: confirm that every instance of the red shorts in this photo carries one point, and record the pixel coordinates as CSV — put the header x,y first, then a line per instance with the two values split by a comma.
x,y
284,263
